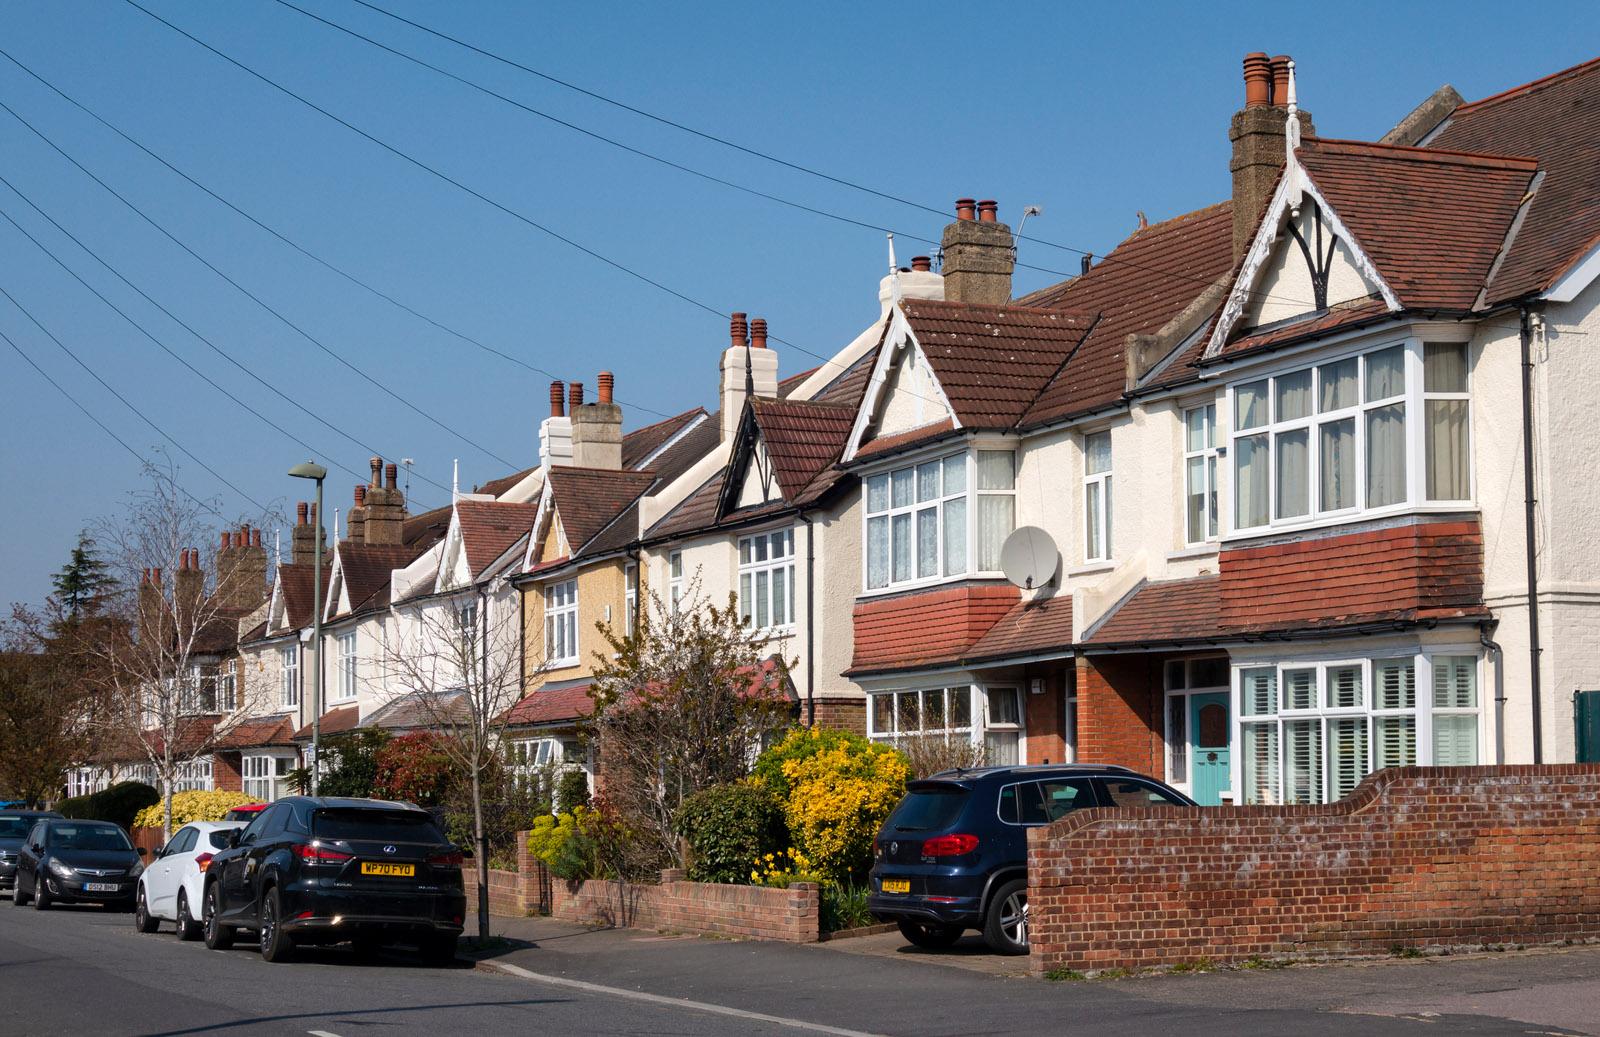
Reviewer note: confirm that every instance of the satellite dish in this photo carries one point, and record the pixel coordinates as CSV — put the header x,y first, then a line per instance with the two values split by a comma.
x,y
1029,558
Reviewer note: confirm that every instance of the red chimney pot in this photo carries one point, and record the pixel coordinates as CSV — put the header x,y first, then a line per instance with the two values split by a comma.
x,y
1257,80
1280,79
224,542
558,393
607,382
988,211
255,538
921,263
574,396
155,576
377,471
391,474
965,208
300,508
361,494
758,333
738,330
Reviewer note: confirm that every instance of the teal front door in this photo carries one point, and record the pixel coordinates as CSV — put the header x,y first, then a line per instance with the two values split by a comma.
x,y
1208,747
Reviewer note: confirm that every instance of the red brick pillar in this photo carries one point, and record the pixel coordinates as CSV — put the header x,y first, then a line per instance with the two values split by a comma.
x,y
1119,711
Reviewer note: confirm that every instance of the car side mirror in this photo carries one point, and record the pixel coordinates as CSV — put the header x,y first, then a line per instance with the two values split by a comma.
x,y
145,853
37,847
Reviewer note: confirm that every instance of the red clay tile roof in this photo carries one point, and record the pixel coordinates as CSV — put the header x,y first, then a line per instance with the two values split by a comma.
x,y
993,361
334,722
1163,612
1144,283
258,733
911,436
294,578
927,628
1346,315
1557,120
589,499
489,528
366,569
1401,573
1041,625
551,706
803,439
695,512
642,442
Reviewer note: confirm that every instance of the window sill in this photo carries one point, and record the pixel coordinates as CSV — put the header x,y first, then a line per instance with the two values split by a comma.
x,y
930,582
1197,551
1090,568
1349,518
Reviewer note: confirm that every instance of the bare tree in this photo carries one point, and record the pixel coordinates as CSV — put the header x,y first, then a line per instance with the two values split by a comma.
x,y
455,666
161,659
685,702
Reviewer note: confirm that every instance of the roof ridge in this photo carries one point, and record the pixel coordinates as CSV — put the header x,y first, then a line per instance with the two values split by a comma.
x,y
587,470
761,402
1049,311
1528,87
1204,210
1438,156
664,421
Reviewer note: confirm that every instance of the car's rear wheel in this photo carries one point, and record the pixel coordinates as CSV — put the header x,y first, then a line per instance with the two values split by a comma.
x,y
143,921
219,937
276,945
930,934
1005,927
188,928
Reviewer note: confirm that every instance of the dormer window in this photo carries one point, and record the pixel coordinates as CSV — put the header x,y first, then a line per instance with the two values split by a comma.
x,y
917,518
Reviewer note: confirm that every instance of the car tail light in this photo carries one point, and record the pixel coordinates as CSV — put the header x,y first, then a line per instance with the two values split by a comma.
x,y
203,861
949,845
446,860
310,853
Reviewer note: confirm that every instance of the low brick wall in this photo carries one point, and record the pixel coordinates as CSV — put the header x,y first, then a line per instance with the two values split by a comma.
x,y
790,915
523,890
1414,857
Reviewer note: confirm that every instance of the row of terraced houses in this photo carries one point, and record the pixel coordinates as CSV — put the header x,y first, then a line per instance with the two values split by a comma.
x,y
1314,471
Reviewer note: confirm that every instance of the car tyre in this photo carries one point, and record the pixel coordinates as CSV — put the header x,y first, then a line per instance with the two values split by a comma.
x,y
143,921
929,935
219,937
18,898
438,949
41,897
188,929
1005,923
276,945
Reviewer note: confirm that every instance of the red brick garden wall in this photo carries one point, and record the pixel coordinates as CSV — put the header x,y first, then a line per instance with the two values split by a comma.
x,y
790,915
1415,857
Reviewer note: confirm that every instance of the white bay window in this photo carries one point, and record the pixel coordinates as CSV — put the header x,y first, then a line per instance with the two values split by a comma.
x,y
1344,436
1309,732
917,518
263,775
990,717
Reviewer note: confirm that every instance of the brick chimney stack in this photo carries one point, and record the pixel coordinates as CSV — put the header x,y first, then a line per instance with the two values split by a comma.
x,y
747,364
384,522
596,427
1259,135
306,529
188,590
356,521
979,255
555,432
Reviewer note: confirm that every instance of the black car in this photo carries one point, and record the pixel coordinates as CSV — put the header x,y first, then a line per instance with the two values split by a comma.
x,y
319,870
15,824
954,854
64,860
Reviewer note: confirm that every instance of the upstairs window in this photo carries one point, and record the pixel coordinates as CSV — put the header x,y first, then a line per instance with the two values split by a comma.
x,y
346,687
561,624
630,595
228,687
289,676
1343,437
917,518
1200,474
1097,497
766,580
675,579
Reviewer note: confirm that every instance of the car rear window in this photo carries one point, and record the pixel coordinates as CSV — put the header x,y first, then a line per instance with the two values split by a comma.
x,y
929,809
84,837
14,827
400,825
219,839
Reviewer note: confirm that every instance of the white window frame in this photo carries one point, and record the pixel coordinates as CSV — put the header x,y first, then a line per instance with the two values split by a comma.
x,y
903,698
971,497
630,595
193,775
674,580
765,609
1207,457
561,623
227,686
1179,693
289,676
1097,516
1411,399
261,774
1421,711
345,688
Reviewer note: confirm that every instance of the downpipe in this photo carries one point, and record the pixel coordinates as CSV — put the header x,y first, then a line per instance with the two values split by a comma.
x,y
1493,646
1529,527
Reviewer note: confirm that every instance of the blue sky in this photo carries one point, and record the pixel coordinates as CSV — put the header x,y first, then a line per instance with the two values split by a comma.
x,y
1092,112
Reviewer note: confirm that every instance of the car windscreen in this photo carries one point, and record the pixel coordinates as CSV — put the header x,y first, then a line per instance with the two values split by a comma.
x,y
85,837
398,825
929,808
15,827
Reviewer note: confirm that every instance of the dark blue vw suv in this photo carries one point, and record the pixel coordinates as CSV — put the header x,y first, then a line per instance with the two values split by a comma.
x,y
954,854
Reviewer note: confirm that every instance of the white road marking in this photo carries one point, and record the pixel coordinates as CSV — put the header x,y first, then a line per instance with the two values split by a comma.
x,y
322,1033
677,1002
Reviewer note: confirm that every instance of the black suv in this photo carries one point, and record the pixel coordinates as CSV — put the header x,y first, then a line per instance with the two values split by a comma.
x,y
327,870
954,854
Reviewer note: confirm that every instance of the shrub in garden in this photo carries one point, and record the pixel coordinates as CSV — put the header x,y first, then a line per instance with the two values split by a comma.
x,y
118,804
192,806
841,788
798,744
565,844
350,762
572,791
413,768
729,826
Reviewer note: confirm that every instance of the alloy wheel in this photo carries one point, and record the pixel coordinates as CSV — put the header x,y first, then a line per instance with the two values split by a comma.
x,y
269,923
1014,918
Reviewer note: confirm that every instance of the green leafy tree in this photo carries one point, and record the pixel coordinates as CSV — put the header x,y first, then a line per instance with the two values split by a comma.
x,y
83,584
45,706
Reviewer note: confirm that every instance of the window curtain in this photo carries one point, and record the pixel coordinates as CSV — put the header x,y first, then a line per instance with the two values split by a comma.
x,y
878,552
996,517
1250,481
1294,473
1447,432
1338,464
955,536
1386,455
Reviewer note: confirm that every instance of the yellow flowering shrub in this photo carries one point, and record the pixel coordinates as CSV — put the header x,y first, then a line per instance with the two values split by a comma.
x,y
566,844
192,806
778,870
839,796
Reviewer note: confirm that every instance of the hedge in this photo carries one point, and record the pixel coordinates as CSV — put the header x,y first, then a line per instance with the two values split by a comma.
x,y
119,803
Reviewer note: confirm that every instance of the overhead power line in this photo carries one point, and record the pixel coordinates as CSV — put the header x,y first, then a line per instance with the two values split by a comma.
x,y
285,239
128,403
253,297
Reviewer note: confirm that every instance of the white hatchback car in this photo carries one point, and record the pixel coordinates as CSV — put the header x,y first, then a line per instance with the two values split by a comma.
x,y
172,885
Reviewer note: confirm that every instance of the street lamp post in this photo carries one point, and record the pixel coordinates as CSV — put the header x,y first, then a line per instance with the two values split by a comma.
x,y
312,470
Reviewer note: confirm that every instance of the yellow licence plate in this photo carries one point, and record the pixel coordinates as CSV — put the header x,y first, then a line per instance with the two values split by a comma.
x,y
897,885
404,871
